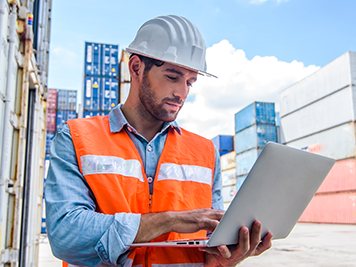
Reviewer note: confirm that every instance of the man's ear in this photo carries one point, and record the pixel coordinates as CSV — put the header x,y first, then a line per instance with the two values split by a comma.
x,y
136,67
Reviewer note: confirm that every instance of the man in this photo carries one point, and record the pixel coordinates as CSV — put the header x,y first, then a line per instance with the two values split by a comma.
x,y
135,175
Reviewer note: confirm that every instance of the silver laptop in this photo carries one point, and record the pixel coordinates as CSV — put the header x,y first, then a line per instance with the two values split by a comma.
x,y
276,191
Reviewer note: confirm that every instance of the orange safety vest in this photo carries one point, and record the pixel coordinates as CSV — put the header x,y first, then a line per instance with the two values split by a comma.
x,y
114,171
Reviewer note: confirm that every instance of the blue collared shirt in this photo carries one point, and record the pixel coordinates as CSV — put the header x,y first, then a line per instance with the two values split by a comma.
x,y
77,233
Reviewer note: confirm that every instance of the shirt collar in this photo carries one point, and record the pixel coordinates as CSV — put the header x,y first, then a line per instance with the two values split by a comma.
x,y
118,121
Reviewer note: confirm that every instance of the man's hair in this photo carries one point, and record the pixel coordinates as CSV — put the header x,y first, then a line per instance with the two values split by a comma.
x,y
149,62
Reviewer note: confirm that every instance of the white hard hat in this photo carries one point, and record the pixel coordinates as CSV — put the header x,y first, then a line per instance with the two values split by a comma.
x,y
172,39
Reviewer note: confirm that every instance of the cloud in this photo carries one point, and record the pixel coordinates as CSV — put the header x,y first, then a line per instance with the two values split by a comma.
x,y
240,82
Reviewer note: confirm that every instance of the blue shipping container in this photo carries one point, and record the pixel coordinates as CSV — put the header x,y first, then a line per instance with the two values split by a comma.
x,y
89,114
224,143
257,112
110,93
245,161
49,138
101,60
239,181
67,100
92,87
255,136
278,120
63,116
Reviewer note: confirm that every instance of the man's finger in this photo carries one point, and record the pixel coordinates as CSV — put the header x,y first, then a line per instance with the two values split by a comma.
x,y
244,240
224,251
255,235
265,244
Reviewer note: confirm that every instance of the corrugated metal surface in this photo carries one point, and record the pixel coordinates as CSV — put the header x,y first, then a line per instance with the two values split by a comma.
x,y
52,99
101,60
328,112
326,80
223,142
331,208
67,100
239,181
245,161
257,112
63,116
51,120
255,136
228,193
49,138
342,177
228,177
89,114
92,93
109,93
228,161
338,143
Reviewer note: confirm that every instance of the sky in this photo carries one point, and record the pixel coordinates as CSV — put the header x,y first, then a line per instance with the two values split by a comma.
x,y
257,48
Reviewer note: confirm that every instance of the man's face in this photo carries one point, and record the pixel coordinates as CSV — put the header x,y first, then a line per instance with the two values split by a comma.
x,y
164,89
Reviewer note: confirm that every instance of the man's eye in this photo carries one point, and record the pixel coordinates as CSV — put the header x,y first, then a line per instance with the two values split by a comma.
x,y
172,78
190,84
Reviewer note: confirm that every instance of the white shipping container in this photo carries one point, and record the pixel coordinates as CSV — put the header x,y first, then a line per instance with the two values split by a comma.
x,y
229,177
338,143
333,110
228,193
228,161
336,75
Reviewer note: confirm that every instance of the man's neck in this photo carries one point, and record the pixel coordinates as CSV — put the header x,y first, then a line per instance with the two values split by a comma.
x,y
144,123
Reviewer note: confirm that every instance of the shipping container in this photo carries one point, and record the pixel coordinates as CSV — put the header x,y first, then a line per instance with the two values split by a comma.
x,y
257,112
52,99
67,100
224,143
49,138
338,74
51,120
23,80
63,116
278,119
228,177
43,217
125,78
228,161
228,193
101,60
255,136
89,114
245,161
110,93
330,111
92,86
239,181
337,208
338,142
342,177
226,205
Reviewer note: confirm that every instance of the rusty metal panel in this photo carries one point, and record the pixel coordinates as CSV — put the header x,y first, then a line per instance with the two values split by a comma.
x,y
342,177
338,143
331,208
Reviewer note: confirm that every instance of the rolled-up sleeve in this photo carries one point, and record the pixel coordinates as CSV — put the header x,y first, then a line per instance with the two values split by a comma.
x,y
77,233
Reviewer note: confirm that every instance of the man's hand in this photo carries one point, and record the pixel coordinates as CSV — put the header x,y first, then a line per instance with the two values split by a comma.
x,y
153,225
250,244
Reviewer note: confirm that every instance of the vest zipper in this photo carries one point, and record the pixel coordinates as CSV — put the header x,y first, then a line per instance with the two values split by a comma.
x,y
150,203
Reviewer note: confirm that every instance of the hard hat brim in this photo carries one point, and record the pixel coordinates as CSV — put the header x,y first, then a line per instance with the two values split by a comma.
x,y
134,51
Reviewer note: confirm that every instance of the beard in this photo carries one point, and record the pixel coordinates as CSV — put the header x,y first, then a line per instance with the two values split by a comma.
x,y
153,106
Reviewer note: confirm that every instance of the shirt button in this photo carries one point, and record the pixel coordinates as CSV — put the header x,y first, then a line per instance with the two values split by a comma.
x,y
129,128
149,148
150,179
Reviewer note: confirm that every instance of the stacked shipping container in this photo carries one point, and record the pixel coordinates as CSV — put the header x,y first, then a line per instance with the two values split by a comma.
x,y
318,115
125,78
101,88
254,128
66,107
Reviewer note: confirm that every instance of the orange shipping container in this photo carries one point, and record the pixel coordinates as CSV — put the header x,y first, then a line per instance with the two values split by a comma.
x,y
337,208
342,177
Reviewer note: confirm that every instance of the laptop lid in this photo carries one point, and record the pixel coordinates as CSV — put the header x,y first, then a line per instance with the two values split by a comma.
x,y
276,191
